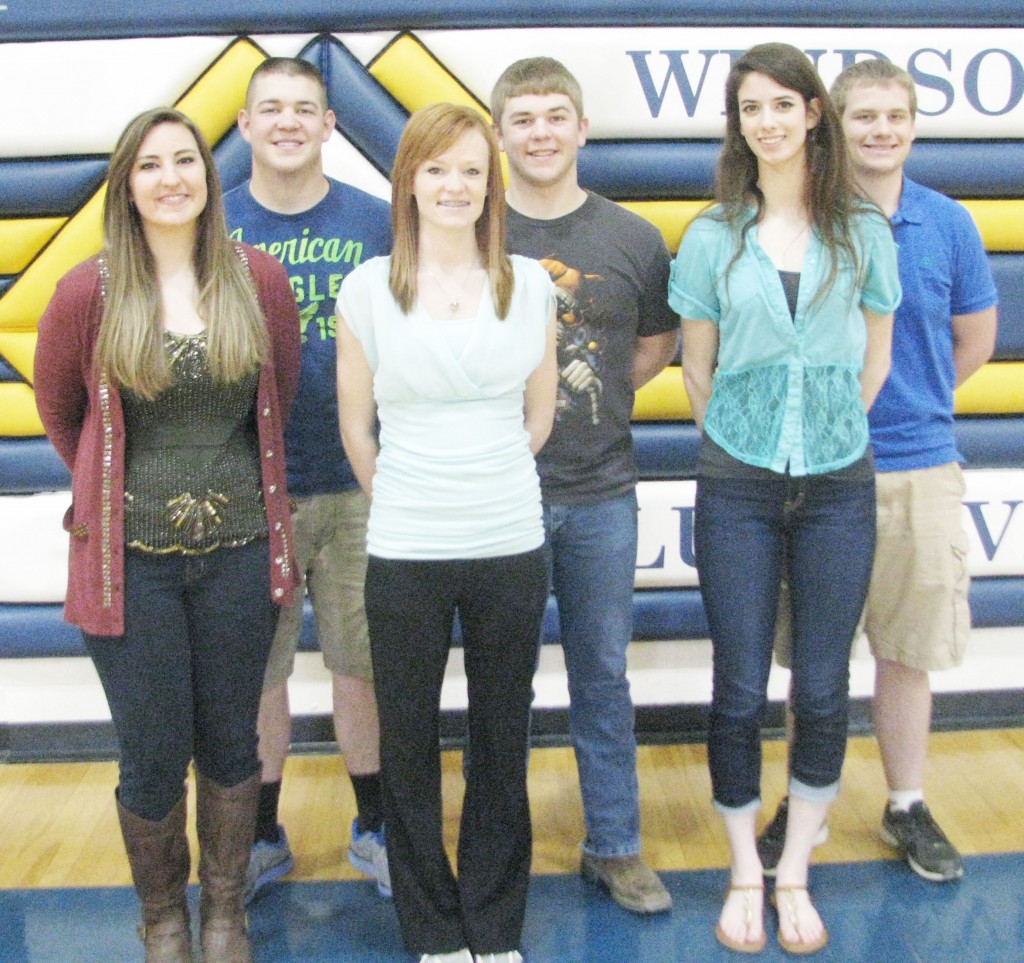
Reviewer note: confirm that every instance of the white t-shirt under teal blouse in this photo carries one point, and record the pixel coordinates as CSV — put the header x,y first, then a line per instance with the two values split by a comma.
x,y
786,392
455,476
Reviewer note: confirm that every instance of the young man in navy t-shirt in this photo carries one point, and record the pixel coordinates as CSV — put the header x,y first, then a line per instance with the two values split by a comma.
x,y
320,229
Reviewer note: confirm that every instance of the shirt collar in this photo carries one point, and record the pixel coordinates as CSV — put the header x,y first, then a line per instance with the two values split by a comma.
x,y
911,209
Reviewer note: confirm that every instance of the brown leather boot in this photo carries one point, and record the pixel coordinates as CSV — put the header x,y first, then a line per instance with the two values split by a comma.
x,y
159,858
226,824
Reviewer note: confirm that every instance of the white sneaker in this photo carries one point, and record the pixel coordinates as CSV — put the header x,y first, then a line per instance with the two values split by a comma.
x,y
512,956
369,854
460,956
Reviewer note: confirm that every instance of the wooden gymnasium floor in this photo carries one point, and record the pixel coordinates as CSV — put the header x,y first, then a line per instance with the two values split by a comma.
x,y
65,897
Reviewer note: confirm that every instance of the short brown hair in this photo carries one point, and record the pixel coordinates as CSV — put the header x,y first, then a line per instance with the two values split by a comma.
x,y
429,133
535,75
872,73
289,67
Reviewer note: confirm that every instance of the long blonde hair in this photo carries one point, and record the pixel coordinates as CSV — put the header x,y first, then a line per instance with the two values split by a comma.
x,y
429,133
129,347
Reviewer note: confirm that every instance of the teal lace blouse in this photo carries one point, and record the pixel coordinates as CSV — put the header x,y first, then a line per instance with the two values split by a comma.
x,y
786,392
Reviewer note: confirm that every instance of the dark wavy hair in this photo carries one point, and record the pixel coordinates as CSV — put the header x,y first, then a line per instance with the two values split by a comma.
x,y
828,187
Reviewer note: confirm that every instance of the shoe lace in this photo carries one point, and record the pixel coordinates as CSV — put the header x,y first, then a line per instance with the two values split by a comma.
x,y
925,827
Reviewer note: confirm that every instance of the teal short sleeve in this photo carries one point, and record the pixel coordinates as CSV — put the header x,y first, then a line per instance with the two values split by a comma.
x,y
692,285
882,292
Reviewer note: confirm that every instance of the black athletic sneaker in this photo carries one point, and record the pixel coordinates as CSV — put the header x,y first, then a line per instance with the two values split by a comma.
x,y
772,840
918,837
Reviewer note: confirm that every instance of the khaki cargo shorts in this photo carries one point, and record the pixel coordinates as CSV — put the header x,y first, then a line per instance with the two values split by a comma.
x,y
330,554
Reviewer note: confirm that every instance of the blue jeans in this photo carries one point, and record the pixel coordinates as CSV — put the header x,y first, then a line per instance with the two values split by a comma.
x,y
184,680
592,560
822,528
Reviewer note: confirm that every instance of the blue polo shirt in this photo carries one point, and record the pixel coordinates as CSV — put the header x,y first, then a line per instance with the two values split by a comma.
x,y
786,392
944,272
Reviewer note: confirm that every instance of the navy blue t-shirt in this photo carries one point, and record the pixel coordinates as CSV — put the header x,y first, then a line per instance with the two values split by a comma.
x,y
319,248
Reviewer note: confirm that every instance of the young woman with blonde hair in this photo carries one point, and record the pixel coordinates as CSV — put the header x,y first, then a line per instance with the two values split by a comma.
x,y
450,343
165,369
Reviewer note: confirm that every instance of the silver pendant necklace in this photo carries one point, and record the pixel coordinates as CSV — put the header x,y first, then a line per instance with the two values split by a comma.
x,y
453,302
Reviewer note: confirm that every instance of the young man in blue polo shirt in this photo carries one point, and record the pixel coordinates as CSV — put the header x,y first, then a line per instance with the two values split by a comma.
x,y
916,618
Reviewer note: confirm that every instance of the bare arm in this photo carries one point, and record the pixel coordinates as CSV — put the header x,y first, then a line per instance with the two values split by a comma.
x,y
541,388
877,356
974,340
652,354
357,411
700,357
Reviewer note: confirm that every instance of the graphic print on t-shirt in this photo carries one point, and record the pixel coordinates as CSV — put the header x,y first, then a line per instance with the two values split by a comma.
x,y
579,345
316,267
318,248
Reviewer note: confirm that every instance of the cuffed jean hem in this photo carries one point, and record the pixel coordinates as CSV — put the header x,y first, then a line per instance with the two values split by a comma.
x,y
814,794
752,806
821,529
629,849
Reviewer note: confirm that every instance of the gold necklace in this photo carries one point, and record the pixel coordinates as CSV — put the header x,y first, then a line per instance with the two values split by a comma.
x,y
453,302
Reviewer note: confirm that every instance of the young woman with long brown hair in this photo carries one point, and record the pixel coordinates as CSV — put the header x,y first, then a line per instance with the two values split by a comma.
x,y
786,290
165,369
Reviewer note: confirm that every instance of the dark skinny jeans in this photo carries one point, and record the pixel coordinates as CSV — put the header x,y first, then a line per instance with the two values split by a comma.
x,y
746,529
184,681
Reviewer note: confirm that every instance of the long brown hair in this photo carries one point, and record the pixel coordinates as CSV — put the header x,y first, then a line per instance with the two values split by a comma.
x,y
430,132
129,347
828,187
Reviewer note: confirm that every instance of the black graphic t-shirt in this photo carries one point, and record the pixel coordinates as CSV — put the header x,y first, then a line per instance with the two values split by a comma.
x,y
610,269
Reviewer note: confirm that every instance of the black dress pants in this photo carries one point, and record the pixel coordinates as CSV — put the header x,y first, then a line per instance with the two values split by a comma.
x,y
410,608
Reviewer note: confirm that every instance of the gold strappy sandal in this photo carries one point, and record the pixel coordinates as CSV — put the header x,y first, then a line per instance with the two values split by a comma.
x,y
786,902
750,893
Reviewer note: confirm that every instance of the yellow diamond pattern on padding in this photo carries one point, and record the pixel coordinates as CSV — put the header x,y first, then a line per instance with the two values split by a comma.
x,y
19,418
416,78
22,239
1000,223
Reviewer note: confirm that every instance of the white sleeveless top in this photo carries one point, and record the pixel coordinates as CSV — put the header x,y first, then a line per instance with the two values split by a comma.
x,y
455,477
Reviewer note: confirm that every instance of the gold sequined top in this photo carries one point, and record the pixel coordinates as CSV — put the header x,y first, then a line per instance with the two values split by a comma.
x,y
192,465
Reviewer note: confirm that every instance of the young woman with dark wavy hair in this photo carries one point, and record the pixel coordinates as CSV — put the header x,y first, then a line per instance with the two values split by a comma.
x,y
786,289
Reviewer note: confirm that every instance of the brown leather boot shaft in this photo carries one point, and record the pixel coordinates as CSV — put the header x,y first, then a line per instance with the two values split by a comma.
x,y
226,823
159,859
